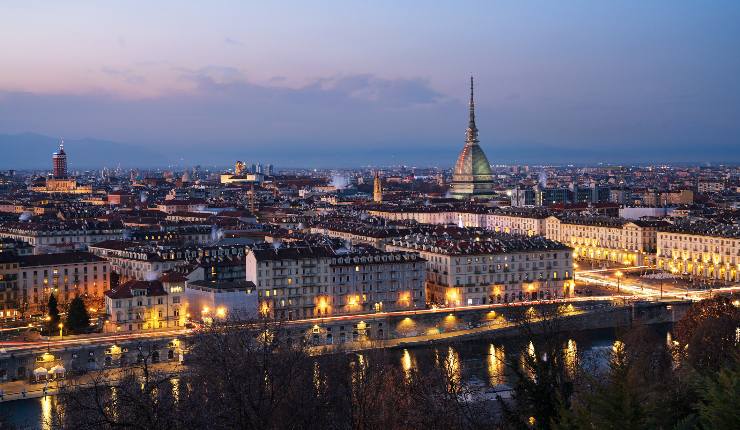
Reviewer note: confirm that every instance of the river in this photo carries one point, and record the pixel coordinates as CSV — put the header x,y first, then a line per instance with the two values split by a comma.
x,y
478,362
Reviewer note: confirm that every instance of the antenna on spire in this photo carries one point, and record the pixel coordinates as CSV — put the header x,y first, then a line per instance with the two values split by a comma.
x,y
472,132
61,143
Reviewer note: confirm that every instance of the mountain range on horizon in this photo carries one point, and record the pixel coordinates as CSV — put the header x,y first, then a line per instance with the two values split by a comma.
x,y
33,151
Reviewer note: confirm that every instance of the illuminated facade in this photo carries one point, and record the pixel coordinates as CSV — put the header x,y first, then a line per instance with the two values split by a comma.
x,y
494,268
596,238
221,300
607,239
529,222
239,168
66,275
244,178
60,182
8,286
377,189
146,305
59,159
708,253
307,282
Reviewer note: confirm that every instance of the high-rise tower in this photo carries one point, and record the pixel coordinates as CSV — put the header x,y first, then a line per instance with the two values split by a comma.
x,y
60,162
472,176
377,189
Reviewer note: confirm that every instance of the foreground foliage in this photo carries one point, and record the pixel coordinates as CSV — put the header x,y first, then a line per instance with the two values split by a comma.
x,y
238,378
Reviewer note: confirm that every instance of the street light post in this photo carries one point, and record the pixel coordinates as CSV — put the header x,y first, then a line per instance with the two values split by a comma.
x,y
61,326
619,277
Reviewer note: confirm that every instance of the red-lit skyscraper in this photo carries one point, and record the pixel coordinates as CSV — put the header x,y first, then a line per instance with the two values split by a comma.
x,y
60,162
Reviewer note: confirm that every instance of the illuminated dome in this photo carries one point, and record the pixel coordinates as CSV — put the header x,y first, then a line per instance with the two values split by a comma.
x,y
472,162
472,176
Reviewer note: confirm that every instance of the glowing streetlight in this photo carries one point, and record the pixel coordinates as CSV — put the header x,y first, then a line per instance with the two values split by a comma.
x,y
61,326
619,277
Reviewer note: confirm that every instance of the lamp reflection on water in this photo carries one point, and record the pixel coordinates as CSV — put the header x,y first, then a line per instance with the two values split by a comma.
x,y
496,363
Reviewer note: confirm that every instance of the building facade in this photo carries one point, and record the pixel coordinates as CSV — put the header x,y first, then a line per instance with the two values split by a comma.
x,y
306,282
221,300
146,305
142,261
607,239
67,275
8,286
710,252
482,268
65,235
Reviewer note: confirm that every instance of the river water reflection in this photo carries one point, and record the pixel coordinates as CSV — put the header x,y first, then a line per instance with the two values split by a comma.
x,y
476,362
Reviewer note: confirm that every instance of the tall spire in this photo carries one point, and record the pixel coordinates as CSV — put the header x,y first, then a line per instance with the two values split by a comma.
x,y
471,134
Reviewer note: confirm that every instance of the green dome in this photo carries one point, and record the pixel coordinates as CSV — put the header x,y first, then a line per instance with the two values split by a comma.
x,y
472,162
472,176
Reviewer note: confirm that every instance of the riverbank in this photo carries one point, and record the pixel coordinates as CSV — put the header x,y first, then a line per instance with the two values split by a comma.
x,y
17,390
575,320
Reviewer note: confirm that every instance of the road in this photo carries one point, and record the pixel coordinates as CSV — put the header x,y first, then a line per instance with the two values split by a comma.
x,y
114,338
629,286
629,289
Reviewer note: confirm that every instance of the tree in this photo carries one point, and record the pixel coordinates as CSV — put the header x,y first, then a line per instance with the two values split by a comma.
x,y
254,377
78,319
544,372
634,392
720,396
54,318
135,397
706,336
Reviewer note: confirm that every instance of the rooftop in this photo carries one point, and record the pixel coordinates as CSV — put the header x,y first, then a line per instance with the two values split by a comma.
x,y
57,259
125,291
475,241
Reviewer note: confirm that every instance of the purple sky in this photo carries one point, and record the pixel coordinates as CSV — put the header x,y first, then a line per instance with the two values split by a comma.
x,y
384,82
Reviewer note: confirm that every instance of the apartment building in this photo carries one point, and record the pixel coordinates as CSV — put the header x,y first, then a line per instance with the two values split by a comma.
x,y
71,235
144,261
146,305
710,186
310,281
527,221
607,239
221,300
419,213
473,267
708,250
356,232
8,286
66,275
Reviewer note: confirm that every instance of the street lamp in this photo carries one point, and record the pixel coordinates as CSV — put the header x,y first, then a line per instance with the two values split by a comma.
x,y
619,276
61,326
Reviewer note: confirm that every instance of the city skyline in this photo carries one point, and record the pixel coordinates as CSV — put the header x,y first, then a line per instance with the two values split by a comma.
x,y
344,85
369,215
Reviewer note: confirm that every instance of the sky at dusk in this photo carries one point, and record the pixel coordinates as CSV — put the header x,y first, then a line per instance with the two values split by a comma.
x,y
349,83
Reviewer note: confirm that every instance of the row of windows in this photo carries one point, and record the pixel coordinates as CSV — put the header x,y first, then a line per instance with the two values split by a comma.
x,y
55,272
140,301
